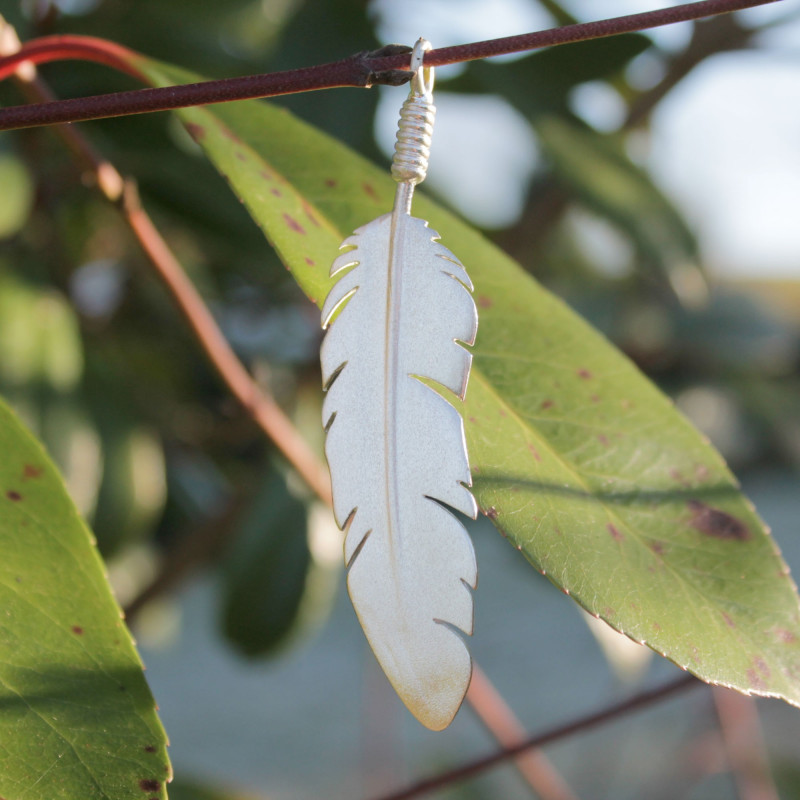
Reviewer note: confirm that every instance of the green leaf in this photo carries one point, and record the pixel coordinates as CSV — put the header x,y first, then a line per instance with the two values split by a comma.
x,y
132,493
40,369
307,39
183,789
39,337
265,570
16,199
600,175
577,458
540,82
76,717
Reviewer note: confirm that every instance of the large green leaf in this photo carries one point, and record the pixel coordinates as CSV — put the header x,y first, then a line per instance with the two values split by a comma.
x,y
577,458
76,717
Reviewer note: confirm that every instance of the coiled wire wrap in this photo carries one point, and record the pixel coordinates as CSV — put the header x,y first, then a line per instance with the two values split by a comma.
x,y
413,146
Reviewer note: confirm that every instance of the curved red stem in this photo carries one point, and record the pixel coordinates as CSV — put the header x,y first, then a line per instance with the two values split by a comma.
x,y
69,47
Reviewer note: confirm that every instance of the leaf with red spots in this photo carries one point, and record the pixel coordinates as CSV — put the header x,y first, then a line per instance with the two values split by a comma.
x,y
588,470
66,729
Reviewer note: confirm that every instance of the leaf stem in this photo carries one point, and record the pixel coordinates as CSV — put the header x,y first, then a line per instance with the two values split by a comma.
x,y
361,69
261,406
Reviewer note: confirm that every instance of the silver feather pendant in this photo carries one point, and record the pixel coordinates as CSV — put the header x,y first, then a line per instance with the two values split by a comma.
x,y
395,322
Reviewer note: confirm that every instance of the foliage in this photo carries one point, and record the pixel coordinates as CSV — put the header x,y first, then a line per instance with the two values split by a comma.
x,y
578,460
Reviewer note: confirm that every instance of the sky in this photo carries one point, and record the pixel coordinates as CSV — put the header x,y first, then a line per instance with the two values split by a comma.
x,y
725,144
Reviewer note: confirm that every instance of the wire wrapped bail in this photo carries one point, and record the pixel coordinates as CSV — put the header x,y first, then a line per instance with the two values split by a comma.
x,y
415,128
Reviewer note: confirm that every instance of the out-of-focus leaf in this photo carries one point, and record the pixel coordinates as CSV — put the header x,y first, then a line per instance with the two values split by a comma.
x,y
265,570
607,181
540,83
41,361
133,490
736,330
592,165
307,40
40,339
16,195
577,458
182,789
76,716
558,12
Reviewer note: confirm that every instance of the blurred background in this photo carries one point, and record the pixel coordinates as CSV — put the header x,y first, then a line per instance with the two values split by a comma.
x,y
651,180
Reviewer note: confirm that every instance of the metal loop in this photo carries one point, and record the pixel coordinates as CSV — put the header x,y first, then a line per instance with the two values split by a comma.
x,y
422,82
413,146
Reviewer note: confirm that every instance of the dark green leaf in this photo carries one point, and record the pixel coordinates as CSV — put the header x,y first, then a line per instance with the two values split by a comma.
x,y
266,569
600,175
540,83
133,488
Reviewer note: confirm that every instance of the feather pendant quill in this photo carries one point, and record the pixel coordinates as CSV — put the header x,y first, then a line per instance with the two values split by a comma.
x,y
395,322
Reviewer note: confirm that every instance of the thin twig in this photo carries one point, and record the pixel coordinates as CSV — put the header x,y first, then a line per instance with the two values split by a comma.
x,y
261,406
708,38
580,725
500,721
70,47
360,70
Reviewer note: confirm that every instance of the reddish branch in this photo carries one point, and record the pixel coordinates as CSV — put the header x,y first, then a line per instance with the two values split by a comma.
x,y
362,69
258,404
495,714
744,745
77,48
581,725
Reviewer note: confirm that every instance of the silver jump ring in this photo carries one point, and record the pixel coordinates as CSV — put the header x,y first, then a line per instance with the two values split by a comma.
x,y
422,82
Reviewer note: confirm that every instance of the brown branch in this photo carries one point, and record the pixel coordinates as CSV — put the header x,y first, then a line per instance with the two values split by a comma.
x,y
500,721
261,406
580,725
360,70
708,38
